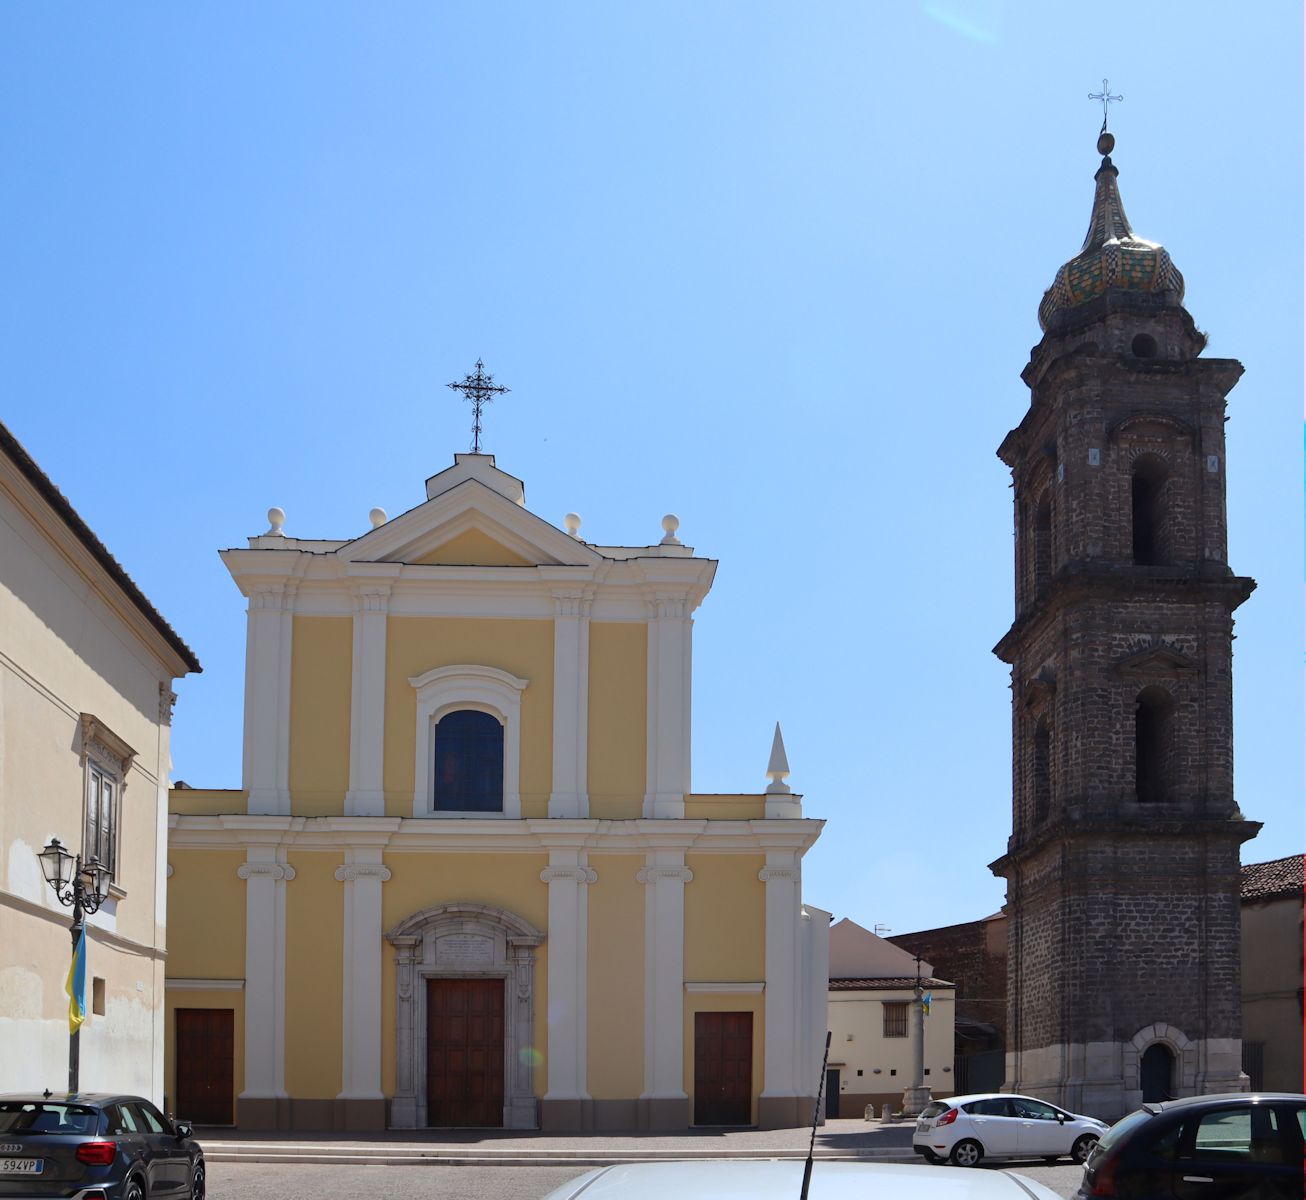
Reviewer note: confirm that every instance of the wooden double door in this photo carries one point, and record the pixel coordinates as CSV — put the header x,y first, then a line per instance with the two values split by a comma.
x,y
464,1052
723,1068
205,1052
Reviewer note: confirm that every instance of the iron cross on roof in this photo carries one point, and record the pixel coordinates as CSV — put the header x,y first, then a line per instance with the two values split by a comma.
x,y
480,389
1106,97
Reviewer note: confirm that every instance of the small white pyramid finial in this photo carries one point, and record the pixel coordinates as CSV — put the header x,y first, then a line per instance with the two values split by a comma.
x,y
378,517
777,769
572,522
276,519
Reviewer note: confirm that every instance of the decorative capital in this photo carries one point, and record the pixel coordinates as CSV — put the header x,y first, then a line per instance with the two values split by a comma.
x,y
668,606
167,699
348,872
580,875
372,598
767,874
272,597
655,874
275,870
170,870
572,602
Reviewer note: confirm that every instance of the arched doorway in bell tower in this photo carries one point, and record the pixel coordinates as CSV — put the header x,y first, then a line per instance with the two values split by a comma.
x,y
1156,1072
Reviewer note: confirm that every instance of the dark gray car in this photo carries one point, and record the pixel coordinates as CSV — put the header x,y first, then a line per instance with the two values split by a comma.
x,y
92,1146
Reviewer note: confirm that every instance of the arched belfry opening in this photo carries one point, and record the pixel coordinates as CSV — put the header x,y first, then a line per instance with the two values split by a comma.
x,y
465,1003
1042,770
1153,744
1156,1072
1148,496
1043,542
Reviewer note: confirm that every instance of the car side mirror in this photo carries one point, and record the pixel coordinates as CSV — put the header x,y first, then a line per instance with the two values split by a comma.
x,y
183,1129
1061,1118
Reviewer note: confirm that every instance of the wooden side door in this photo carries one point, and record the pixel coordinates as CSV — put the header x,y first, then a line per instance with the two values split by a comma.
x,y
464,1052
723,1068
205,1065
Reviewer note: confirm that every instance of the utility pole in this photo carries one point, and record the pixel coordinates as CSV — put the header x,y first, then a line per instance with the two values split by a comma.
x,y
917,1096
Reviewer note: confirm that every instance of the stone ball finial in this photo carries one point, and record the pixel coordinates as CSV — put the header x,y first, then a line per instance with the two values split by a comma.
x,y
572,523
276,519
670,523
1105,143
377,517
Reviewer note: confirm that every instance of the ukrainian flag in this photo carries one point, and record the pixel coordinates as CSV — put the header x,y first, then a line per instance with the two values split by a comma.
x,y
76,984
925,1002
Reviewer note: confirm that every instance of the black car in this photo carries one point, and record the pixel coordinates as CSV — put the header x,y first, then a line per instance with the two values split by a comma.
x,y
90,1146
1239,1146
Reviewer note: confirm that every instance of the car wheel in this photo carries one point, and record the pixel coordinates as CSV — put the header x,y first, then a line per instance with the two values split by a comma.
x,y
1082,1148
967,1153
197,1184
134,1191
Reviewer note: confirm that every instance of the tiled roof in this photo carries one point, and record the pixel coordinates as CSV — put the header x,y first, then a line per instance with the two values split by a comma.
x,y
25,463
884,985
1282,877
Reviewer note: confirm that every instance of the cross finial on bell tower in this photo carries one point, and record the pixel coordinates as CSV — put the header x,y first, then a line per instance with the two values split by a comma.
x,y
480,389
1106,97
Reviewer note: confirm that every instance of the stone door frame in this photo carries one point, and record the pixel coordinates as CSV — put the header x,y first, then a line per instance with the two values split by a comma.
x,y
464,941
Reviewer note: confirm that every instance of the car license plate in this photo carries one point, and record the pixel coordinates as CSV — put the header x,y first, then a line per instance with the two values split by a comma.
x,y
20,1166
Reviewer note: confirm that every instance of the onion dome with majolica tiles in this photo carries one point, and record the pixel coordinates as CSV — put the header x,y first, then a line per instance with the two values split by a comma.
x,y
1113,258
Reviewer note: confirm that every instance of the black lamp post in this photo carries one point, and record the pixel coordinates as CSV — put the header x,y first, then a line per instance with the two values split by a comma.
x,y
84,886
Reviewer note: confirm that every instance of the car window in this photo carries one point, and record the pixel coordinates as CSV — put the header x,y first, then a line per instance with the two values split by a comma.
x,y
1034,1109
1167,1145
124,1120
146,1117
936,1109
40,1117
1124,1127
994,1106
1247,1133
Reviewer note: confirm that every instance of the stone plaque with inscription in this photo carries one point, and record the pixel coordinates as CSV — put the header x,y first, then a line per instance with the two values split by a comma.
x,y
464,950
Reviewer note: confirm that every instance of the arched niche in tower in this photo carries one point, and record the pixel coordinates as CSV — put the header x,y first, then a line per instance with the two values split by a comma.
x,y
1043,542
1154,735
1041,769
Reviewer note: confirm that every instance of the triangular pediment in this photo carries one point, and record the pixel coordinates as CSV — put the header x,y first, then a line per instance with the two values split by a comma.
x,y
1156,660
470,525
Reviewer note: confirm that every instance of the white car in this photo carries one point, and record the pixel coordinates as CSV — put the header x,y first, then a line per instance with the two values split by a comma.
x,y
774,1179
966,1129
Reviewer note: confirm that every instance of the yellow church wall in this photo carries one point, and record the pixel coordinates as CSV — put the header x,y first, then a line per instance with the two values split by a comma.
x,y
618,698
615,1002
725,919
473,548
206,915
696,1002
507,881
207,802
209,998
315,905
415,645
320,680
710,807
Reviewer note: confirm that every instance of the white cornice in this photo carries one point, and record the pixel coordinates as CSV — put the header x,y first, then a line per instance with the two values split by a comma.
x,y
472,835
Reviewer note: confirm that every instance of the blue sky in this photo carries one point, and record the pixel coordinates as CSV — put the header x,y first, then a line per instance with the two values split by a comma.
x,y
772,267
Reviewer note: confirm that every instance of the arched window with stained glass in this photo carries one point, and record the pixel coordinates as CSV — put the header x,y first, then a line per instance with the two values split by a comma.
x,y
468,768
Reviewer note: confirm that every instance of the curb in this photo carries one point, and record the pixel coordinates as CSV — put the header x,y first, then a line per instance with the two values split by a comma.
x,y
346,1156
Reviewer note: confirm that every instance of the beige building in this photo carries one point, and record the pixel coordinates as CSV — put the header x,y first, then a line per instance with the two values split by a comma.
x,y
1272,974
86,673
872,986
467,881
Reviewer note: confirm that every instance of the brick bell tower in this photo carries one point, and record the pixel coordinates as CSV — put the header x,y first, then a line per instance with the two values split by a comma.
x,y
1122,867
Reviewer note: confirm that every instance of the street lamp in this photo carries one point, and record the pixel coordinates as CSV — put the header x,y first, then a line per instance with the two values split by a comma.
x,y
84,886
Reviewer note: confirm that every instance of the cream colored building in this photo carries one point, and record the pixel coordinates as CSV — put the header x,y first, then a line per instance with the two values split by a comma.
x,y
466,881
872,987
1272,940
86,673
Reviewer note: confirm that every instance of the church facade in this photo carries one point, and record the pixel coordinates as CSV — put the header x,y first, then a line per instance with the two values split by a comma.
x,y
1123,864
466,881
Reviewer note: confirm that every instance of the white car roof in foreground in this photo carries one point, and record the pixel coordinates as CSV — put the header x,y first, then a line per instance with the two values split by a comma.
x,y
771,1179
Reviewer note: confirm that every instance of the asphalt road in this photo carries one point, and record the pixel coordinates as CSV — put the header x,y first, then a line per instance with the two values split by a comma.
x,y
295,1181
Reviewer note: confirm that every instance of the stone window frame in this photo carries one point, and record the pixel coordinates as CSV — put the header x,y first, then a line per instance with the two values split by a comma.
x,y
467,686
901,1008
106,760
508,954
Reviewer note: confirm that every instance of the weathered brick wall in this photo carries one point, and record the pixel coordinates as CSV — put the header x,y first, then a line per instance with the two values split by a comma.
x,y
966,956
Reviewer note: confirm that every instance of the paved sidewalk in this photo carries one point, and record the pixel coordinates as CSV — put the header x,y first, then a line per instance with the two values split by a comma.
x,y
848,1140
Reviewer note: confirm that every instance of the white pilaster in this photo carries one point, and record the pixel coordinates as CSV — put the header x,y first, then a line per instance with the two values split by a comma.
x,y
568,878
571,662
363,875
669,676
265,872
267,697
782,1055
366,795
664,877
